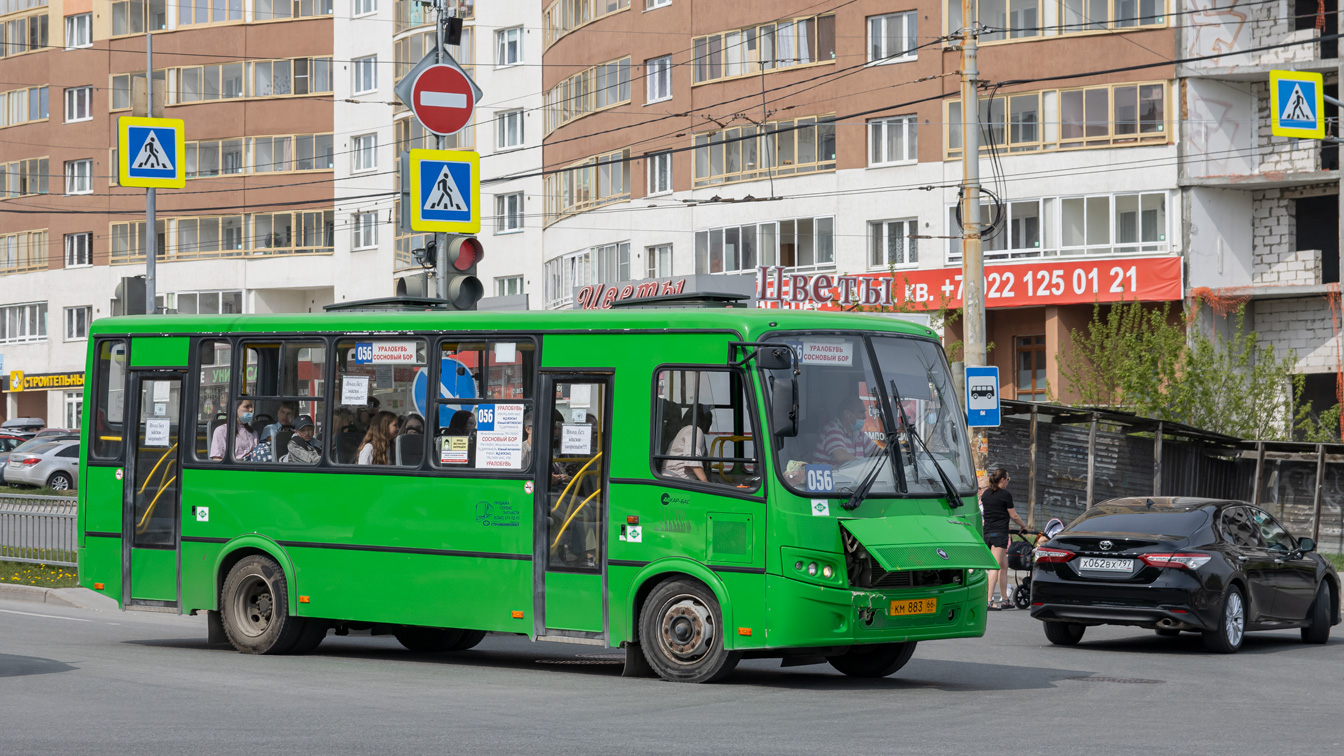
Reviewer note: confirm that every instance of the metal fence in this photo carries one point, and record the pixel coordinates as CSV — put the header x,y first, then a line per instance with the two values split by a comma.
x,y
39,529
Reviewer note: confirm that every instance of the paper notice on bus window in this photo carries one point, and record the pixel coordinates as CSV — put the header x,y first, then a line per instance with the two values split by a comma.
x,y
828,352
355,389
576,439
499,451
581,394
157,430
382,377
506,352
453,450
161,389
386,352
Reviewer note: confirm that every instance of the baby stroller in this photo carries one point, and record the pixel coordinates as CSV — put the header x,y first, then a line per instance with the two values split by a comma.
x,y
1020,559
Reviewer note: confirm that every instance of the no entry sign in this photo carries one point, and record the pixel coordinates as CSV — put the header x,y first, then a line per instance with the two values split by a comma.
x,y
443,99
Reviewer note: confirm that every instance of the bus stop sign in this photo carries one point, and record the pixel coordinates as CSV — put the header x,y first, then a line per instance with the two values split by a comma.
x,y
982,397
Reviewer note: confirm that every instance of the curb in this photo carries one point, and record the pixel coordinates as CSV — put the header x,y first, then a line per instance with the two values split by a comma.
x,y
77,598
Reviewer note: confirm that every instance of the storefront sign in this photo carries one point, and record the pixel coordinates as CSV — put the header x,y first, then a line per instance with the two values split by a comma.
x,y
17,380
1062,282
602,296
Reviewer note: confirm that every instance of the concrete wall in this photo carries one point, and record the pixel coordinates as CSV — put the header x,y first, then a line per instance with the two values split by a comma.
x,y
1301,325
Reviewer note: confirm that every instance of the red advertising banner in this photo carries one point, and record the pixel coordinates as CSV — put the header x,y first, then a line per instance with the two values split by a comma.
x,y
1060,282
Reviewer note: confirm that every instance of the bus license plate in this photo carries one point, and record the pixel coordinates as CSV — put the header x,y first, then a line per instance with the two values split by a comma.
x,y
1106,565
914,606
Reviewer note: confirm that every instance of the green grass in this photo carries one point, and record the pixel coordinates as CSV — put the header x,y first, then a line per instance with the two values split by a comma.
x,y
45,576
1338,559
34,491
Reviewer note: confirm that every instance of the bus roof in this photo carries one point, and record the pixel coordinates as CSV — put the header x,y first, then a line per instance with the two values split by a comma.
x,y
750,323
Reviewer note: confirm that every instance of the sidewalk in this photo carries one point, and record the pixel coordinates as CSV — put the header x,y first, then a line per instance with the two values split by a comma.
x,y
79,598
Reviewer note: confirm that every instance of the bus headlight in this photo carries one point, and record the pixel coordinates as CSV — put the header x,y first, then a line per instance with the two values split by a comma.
x,y
811,569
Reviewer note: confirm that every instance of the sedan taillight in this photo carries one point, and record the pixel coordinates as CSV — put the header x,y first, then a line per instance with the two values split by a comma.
x,y
1180,561
30,461
1053,555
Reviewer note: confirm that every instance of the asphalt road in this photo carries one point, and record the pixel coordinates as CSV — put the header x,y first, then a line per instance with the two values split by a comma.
x,y
76,681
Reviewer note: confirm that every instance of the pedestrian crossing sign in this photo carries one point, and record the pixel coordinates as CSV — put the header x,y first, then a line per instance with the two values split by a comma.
x,y
1296,104
446,191
150,152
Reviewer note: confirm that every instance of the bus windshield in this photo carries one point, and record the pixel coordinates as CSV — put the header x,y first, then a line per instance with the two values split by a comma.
x,y
855,392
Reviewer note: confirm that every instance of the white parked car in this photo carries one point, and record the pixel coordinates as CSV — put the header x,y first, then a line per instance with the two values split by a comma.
x,y
54,464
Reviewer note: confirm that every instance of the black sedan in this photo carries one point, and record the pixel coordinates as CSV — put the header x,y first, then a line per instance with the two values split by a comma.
x,y
1215,567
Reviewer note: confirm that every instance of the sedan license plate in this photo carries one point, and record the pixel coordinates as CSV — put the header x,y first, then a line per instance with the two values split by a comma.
x,y
1106,565
913,606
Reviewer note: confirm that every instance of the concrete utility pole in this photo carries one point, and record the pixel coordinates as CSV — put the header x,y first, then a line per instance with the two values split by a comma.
x,y
972,253
441,239
151,224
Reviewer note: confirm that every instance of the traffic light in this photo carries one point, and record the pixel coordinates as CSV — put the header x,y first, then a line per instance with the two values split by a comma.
x,y
464,288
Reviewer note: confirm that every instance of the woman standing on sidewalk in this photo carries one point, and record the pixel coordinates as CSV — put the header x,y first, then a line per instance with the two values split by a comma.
x,y
997,504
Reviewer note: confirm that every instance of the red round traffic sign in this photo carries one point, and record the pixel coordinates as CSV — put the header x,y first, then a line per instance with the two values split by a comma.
x,y
442,99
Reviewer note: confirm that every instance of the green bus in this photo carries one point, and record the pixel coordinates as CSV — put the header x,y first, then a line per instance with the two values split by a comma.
x,y
693,485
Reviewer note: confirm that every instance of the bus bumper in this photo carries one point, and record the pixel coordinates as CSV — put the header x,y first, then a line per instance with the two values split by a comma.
x,y
803,614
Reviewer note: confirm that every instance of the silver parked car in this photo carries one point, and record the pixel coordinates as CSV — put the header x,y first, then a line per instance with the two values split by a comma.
x,y
28,446
54,464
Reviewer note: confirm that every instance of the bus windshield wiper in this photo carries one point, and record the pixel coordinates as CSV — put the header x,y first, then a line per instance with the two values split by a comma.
x,y
861,492
953,500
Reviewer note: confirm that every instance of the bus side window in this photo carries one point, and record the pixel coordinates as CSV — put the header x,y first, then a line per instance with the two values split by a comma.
x,y
106,424
702,428
380,386
212,397
283,380
485,392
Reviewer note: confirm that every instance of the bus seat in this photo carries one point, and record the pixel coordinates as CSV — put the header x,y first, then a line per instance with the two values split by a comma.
x,y
345,449
282,438
410,449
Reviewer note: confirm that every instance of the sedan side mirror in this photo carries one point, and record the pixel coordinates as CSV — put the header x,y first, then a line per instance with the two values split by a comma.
x,y
1306,545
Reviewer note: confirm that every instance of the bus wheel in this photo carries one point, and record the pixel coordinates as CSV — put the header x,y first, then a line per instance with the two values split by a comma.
x,y
430,640
681,632
873,661
254,607
314,632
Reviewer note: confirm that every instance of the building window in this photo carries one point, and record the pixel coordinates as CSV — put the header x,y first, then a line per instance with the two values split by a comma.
x,y
799,243
651,4
365,152
233,236
774,46
24,177
79,177
893,140
23,322
509,47
1066,119
366,74
23,252
212,12
892,37
19,106
365,7
508,213
202,302
893,243
658,73
602,86
597,181
508,129
779,148
74,408
1031,368
1107,224
366,230
27,34
79,31
564,16
659,166
299,152
78,250
659,260
509,287
78,104
1022,18
77,323
606,264
267,10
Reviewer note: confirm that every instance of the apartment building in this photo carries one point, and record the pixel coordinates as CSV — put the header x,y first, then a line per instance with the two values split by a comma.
x,y
292,134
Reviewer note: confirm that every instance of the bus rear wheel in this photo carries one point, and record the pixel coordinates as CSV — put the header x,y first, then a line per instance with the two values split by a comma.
x,y
254,607
873,661
432,640
681,633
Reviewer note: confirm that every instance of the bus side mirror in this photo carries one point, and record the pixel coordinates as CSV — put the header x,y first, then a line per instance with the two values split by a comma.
x,y
774,358
784,407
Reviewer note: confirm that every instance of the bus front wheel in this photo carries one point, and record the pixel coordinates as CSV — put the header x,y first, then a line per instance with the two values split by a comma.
x,y
681,633
873,661
254,607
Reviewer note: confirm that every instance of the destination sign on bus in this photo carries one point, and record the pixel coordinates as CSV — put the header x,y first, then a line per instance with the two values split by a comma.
x,y
385,353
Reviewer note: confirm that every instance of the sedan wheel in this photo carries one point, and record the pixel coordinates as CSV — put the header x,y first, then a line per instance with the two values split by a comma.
x,y
60,482
1231,630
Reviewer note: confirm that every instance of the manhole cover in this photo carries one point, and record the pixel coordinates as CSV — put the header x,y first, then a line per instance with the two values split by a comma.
x,y
1122,680
580,661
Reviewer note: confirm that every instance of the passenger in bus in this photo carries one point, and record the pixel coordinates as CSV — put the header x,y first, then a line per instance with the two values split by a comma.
x,y
368,411
527,439
344,421
682,447
244,440
842,439
412,423
301,449
284,421
378,440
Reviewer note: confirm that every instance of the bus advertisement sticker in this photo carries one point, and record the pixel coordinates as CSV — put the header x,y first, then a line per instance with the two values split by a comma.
x,y
632,533
820,479
499,451
821,508
355,390
453,450
528,487
202,514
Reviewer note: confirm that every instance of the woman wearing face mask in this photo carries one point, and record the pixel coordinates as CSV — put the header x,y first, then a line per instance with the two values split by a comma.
x,y
842,439
244,439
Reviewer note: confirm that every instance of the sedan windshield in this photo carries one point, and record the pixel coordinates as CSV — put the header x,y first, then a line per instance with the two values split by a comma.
x,y
856,392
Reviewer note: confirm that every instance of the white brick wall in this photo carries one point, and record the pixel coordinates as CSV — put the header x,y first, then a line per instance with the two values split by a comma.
x,y
1276,259
1299,325
1276,153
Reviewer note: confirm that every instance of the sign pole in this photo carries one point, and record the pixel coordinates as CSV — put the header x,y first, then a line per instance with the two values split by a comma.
x,y
151,223
440,239
972,258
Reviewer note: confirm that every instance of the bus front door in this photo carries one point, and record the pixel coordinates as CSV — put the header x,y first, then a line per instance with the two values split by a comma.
x,y
570,544
151,503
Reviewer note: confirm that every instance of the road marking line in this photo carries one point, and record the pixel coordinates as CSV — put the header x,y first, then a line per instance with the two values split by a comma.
x,y
48,616
443,100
